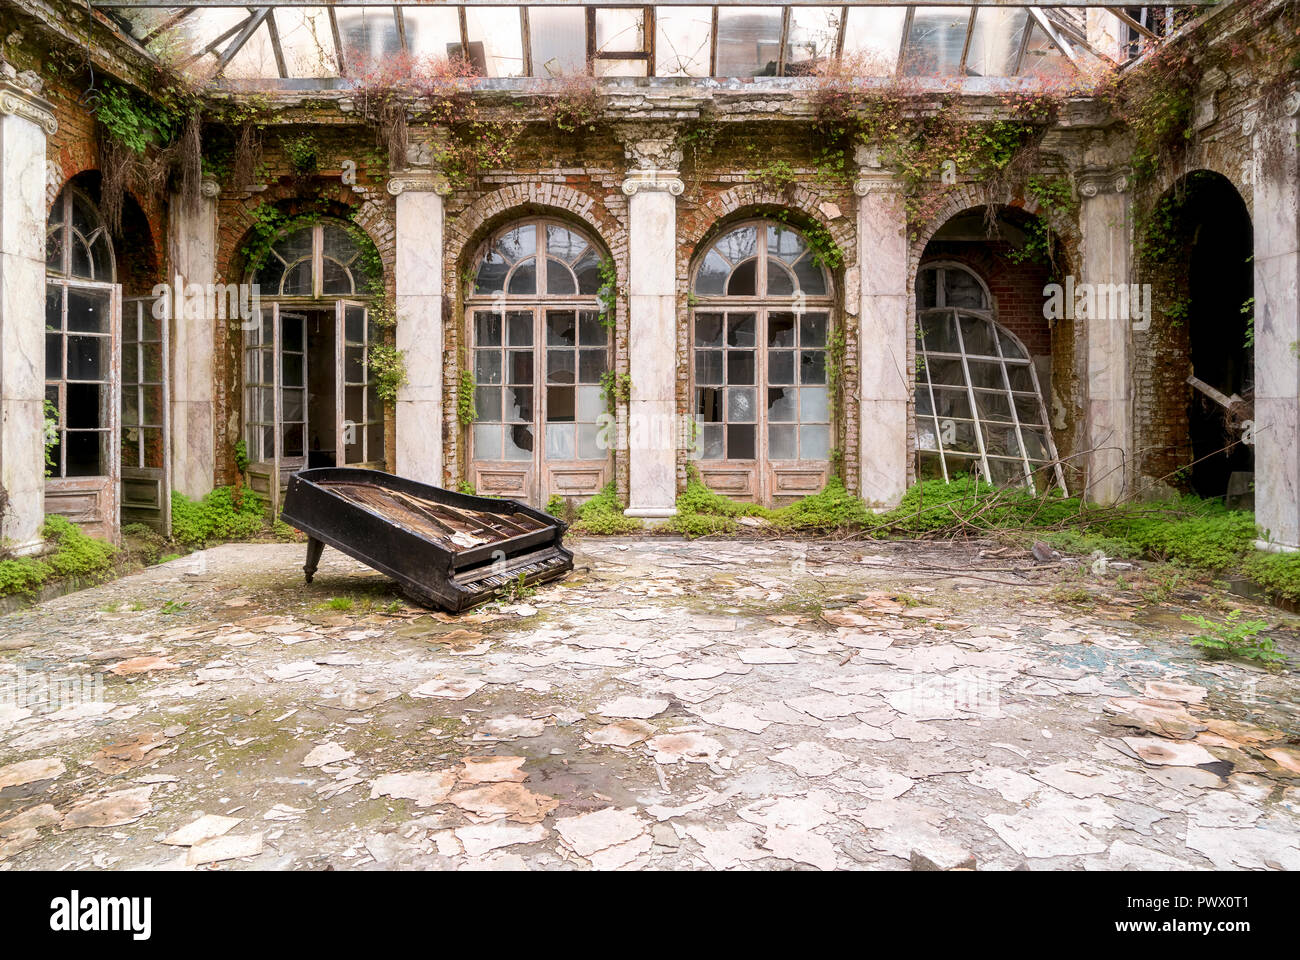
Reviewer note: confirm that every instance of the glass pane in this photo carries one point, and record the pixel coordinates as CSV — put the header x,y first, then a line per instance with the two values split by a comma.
x,y
88,312
740,366
708,366
744,280
432,32
524,279
559,40
814,32
814,442
563,243
749,41
559,281
740,442
519,442
712,443
995,41
741,407
871,39
591,332
88,358
297,280
487,403
495,43
708,404
812,366
487,366
782,404
487,441
519,329
561,441
561,329
590,444
712,275
1042,57
487,329
780,330
782,442
812,330
560,405
335,278
354,367
780,282
519,404
620,30
742,330
587,270
306,42
291,406
780,366
935,42
591,365
682,41
961,289
591,404
814,406
560,366
708,329
521,366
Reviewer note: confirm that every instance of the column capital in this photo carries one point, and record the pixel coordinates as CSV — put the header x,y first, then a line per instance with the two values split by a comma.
x,y
876,180
418,181
653,180
1094,181
20,102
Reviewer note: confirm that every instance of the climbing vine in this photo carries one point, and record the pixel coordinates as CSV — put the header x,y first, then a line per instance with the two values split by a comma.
x,y
607,294
465,411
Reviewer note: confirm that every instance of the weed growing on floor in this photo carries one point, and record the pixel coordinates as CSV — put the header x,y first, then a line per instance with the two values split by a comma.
x,y
223,514
1235,637
603,515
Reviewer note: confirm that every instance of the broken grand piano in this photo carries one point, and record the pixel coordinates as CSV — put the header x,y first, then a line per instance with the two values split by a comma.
x,y
443,548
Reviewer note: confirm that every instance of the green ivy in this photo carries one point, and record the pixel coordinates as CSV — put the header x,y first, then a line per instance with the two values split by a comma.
x,y
465,411
388,364
616,388
75,555
136,122
226,513
607,294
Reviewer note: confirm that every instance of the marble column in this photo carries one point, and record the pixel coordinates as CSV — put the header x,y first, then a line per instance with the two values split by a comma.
x,y
1277,326
418,277
652,186
193,248
1106,258
883,384
25,122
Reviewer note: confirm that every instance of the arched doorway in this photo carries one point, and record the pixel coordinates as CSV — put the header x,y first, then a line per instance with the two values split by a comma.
x,y
760,330
979,407
540,351
310,395
83,304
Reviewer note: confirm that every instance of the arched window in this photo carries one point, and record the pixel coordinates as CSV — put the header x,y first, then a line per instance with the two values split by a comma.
x,y
978,403
318,260
539,345
81,304
77,246
759,334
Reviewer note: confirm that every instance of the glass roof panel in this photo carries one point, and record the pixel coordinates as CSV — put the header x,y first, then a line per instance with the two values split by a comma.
x,y
559,40
995,41
936,40
749,41
495,41
812,39
307,42
431,32
683,41
872,38
544,38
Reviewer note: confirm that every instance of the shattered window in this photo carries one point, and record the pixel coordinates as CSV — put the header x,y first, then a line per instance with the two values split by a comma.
x,y
978,404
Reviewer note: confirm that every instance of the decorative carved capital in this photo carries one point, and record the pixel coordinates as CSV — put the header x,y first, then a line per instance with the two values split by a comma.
x,y
420,182
1098,180
1291,104
18,102
876,180
653,180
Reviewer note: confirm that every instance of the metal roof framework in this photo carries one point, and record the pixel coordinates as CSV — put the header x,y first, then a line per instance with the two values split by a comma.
x,y
299,43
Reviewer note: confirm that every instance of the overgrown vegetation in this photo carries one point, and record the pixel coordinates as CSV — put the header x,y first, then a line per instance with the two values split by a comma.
x,y
75,555
601,515
226,513
1235,637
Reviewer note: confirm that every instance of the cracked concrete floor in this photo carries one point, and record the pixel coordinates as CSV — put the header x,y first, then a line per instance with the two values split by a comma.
x,y
759,705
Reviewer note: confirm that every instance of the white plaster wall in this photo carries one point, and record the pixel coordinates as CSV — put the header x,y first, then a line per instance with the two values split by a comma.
x,y
193,244
652,349
1277,340
884,387
418,275
22,324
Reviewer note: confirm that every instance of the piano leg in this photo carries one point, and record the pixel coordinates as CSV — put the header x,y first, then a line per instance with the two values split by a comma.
x,y
314,547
